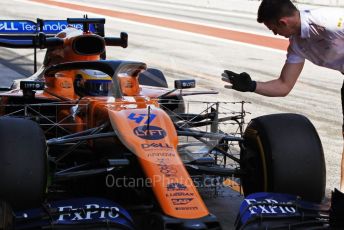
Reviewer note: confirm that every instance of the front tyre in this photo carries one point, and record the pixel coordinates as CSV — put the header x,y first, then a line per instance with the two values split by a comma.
x,y
23,162
283,153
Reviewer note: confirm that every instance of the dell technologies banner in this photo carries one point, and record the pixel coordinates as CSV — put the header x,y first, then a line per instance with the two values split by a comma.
x,y
30,27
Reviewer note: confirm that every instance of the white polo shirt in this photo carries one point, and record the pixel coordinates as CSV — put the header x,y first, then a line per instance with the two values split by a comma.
x,y
321,40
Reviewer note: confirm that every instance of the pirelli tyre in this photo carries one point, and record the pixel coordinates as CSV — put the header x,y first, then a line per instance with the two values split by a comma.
x,y
283,153
23,162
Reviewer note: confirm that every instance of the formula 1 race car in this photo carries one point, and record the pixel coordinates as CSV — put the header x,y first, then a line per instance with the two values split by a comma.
x,y
90,143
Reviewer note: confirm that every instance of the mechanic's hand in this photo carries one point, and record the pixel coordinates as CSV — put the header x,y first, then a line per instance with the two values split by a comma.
x,y
240,82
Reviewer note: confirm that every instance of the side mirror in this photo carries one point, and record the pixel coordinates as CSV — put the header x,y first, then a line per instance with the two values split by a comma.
x,y
153,77
180,84
184,84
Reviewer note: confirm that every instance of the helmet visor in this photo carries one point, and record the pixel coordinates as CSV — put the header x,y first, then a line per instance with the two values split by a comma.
x,y
97,87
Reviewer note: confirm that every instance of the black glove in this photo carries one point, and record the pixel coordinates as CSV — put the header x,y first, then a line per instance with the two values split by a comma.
x,y
240,82
337,210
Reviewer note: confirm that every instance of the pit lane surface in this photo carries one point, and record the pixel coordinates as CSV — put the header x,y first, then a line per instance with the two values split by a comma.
x,y
181,54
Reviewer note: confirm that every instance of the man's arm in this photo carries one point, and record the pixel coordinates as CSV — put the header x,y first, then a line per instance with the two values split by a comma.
x,y
283,85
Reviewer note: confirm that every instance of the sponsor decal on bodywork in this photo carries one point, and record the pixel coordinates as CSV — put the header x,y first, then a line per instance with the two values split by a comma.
x,y
261,205
161,154
176,187
180,194
150,132
186,208
270,206
166,169
142,117
181,201
156,145
73,212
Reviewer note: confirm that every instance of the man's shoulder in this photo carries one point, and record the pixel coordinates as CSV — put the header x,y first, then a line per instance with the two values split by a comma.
x,y
323,9
324,13
325,19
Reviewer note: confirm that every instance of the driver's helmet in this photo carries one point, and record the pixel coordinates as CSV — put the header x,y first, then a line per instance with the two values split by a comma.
x,y
92,83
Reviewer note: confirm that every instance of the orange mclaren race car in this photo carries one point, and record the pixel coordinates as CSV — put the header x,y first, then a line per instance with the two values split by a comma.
x,y
90,143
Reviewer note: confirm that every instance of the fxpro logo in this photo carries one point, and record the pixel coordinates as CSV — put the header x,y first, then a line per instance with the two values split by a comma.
x,y
269,206
149,132
89,212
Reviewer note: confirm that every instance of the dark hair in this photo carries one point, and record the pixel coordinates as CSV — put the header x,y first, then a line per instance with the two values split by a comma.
x,y
273,10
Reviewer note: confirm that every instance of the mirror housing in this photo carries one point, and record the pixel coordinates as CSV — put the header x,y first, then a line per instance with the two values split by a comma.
x,y
184,84
29,87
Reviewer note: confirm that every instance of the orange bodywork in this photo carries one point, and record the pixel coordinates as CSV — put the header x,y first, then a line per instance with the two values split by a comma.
x,y
150,134
144,128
